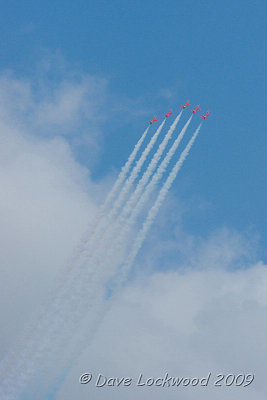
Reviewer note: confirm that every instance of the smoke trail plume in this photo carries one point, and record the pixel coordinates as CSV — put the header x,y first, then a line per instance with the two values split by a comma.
x,y
82,294
122,273
154,210
156,177
118,236
150,169
124,171
114,235
113,192
88,240
135,171
51,326
104,224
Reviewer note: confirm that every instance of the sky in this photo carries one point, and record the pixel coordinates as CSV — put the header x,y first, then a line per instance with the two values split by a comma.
x,y
154,57
78,83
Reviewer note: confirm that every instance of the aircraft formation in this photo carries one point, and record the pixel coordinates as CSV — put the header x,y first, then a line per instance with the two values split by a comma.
x,y
186,104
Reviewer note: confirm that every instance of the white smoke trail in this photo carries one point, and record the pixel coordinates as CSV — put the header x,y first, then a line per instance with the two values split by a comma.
x,y
116,239
118,236
124,171
154,210
85,255
161,169
113,235
122,227
105,272
104,224
154,181
111,195
150,169
129,182
103,275
49,344
67,299
98,282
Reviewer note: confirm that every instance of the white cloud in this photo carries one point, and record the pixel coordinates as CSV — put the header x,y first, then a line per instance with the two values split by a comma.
x,y
72,101
47,198
186,323
72,105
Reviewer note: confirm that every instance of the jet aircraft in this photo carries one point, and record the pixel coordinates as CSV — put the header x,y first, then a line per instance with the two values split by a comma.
x,y
152,121
206,115
196,109
186,104
168,113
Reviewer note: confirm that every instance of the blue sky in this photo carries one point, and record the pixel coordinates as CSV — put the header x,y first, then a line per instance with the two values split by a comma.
x,y
157,55
78,82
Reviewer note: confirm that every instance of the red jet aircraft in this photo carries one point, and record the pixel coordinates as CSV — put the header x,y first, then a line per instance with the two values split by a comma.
x,y
196,109
186,104
152,121
206,115
169,113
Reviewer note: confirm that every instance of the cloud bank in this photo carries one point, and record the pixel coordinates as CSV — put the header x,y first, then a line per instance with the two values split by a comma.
x,y
48,198
187,323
